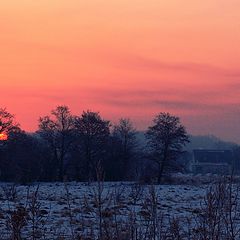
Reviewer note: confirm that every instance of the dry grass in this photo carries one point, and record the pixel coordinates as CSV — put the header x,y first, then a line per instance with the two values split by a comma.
x,y
102,214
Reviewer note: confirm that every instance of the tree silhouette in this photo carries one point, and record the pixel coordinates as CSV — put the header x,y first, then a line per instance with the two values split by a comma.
x,y
126,136
166,138
58,132
7,122
93,133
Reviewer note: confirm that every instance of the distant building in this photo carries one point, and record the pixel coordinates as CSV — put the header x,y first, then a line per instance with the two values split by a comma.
x,y
212,161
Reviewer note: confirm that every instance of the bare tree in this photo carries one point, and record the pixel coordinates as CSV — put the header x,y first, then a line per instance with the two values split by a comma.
x,y
58,132
126,134
166,138
7,122
93,133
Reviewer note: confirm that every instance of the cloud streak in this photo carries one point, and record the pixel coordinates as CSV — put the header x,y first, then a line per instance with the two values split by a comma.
x,y
141,63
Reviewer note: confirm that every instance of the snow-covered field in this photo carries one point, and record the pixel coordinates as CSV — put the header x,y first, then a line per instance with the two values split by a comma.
x,y
73,210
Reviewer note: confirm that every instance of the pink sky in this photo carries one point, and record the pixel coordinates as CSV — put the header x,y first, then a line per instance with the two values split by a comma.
x,y
125,59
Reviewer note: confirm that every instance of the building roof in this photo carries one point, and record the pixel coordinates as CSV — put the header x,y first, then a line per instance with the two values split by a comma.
x,y
212,156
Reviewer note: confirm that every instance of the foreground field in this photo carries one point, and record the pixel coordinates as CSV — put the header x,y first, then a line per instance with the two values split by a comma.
x,y
113,211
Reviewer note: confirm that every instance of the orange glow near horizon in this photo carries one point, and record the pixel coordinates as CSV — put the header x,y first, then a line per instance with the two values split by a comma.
x,y
125,59
3,137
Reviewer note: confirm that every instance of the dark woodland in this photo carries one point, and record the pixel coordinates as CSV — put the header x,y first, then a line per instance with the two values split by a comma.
x,y
69,148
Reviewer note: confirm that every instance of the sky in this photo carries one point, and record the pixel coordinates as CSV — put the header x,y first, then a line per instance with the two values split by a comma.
x,y
124,59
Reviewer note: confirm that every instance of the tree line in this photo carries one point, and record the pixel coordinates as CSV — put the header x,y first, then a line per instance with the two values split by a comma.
x,y
69,147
